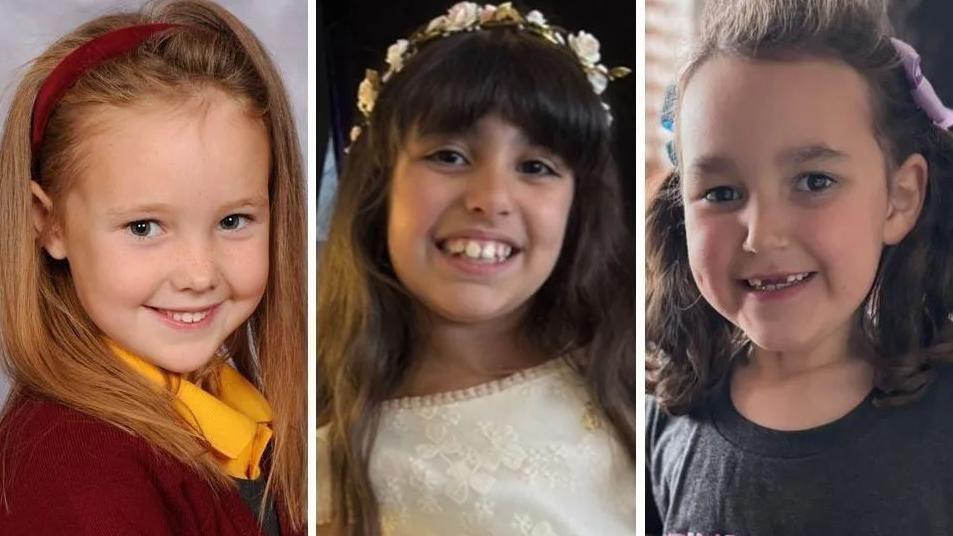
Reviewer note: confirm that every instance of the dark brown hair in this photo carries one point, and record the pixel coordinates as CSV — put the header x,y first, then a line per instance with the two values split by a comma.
x,y
905,317
585,308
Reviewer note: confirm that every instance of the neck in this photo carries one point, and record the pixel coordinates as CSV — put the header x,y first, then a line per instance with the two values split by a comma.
x,y
452,355
796,390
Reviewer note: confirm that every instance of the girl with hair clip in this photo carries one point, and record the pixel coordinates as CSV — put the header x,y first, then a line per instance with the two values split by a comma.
x,y
475,300
152,297
800,264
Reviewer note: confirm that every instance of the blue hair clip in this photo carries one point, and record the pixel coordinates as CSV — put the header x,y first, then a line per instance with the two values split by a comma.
x,y
668,121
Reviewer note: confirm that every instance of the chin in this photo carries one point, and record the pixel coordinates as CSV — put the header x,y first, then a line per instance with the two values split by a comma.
x,y
468,313
182,360
778,342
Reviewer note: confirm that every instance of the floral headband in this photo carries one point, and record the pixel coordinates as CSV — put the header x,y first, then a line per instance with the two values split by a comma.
x,y
469,17
924,96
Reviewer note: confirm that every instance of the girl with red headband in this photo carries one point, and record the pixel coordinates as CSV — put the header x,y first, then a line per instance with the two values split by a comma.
x,y
152,302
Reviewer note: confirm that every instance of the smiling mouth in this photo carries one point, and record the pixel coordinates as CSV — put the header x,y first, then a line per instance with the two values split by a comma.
x,y
478,251
186,317
778,283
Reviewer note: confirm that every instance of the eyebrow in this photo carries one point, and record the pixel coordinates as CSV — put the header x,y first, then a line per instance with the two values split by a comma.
x,y
149,208
138,209
715,164
710,165
256,201
810,153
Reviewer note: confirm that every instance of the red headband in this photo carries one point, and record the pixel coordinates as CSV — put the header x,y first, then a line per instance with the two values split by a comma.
x,y
77,62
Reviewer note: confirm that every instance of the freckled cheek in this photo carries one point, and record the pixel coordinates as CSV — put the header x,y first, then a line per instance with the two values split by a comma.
x,y
104,271
245,266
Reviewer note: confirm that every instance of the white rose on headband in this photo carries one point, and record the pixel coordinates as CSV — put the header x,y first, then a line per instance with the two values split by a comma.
x,y
486,14
366,95
395,56
463,15
586,48
536,18
598,79
439,24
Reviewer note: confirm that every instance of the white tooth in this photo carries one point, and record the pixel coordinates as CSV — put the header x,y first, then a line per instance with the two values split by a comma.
x,y
456,246
489,251
505,251
792,278
473,250
755,282
771,287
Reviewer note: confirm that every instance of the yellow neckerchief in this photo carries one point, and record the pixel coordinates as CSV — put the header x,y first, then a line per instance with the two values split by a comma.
x,y
235,424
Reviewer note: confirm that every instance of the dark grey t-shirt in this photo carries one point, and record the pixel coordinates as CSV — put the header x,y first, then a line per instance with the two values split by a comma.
x,y
876,471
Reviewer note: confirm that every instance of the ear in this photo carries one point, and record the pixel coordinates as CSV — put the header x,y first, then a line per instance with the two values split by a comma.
x,y
908,187
48,232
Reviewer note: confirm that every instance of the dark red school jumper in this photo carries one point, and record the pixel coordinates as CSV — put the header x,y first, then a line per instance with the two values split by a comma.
x,y
63,472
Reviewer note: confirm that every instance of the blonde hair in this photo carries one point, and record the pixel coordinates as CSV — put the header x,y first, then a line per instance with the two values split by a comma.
x,y
49,345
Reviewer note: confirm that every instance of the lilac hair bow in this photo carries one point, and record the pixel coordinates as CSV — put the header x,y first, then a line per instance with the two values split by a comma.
x,y
923,93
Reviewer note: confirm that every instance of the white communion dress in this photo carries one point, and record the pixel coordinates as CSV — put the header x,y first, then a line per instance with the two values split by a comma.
x,y
525,455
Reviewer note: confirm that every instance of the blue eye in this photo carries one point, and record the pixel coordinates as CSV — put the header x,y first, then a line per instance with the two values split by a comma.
x,y
722,194
144,228
814,182
234,222
447,157
535,167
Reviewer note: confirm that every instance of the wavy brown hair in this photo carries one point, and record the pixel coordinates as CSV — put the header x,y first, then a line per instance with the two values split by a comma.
x,y
50,347
905,317
584,309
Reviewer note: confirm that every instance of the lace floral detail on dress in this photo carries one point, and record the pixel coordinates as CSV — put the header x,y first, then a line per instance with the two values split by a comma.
x,y
527,457
528,526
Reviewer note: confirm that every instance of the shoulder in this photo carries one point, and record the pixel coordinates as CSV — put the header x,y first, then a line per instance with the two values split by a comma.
x,y
40,433
936,401
60,467
659,422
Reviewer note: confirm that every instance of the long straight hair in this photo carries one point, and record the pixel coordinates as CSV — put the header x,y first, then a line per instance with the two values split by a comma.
x,y
50,347
585,309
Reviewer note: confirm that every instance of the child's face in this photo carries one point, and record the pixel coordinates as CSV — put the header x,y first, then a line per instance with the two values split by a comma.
x,y
787,205
166,229
477,220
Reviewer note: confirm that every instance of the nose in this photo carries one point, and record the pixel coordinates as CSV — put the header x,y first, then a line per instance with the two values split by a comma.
x,y
196,268
766,225
489,190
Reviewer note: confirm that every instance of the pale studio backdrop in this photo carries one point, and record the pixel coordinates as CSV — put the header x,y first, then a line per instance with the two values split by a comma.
x,y
28,27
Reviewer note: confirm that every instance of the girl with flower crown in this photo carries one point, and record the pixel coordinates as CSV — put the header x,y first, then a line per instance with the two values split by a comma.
x,y
152,297
475,297
800,282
